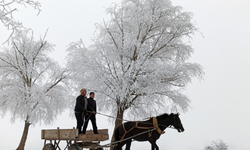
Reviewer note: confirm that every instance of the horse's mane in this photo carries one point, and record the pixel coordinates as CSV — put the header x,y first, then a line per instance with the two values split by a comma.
x,y
163,116
160,117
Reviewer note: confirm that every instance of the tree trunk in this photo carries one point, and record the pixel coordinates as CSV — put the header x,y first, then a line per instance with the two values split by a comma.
x,y
24,136
118,121
119,118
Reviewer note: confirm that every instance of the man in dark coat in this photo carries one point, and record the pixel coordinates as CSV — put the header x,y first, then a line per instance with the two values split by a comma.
x,y
90,115
81,109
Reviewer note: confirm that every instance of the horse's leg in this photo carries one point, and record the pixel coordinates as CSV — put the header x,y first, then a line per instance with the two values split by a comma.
x,y
128,144
156,146
153,144
119,146
152,147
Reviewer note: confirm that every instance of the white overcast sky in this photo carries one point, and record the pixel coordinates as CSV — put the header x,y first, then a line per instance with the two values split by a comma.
x,y
220,102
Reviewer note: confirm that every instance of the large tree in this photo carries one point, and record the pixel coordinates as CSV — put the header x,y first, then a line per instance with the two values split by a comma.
x,y
32,85
138,61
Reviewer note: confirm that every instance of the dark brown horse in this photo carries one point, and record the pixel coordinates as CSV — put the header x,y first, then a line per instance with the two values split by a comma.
x,y
149,130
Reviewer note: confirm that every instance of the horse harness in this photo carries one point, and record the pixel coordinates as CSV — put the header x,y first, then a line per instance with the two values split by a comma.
x,y
155,125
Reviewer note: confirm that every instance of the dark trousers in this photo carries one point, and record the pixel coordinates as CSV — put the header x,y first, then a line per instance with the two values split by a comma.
x,y
79,121
92,118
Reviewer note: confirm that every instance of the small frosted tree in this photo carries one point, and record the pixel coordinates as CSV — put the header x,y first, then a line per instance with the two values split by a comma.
x,y
7,8
138,59
217,145
32,85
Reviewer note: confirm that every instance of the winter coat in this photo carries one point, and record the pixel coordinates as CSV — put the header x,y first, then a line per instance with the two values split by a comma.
x,y
80,104
91,104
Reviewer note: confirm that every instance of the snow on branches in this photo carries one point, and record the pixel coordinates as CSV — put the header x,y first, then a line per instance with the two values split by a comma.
x,y
7,9
139,58
31,83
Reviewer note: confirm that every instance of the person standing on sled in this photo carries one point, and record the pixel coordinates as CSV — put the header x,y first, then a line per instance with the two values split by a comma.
x,y
81,109
90,115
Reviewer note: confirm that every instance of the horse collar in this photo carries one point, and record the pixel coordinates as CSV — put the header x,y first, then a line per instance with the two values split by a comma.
x,y
155,123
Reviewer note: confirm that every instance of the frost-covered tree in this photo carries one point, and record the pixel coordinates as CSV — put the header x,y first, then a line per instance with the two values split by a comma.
x,y
217,145
8,7
138,61
32,85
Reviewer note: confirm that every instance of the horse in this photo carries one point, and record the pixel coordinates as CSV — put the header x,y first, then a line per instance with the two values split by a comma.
x,y
149,130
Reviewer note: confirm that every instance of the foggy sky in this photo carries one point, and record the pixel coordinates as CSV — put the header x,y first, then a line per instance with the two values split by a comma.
x,y
220,102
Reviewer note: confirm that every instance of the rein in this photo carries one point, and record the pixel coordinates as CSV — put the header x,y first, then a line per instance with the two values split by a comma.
x,y
155,126
130,120
113,143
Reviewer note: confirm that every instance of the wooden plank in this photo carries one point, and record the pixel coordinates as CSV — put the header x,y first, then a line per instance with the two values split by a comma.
x,y
72,134
100,131
59,134
92,137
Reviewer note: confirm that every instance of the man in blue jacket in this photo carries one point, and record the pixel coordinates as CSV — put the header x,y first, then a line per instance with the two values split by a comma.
x,y
81,109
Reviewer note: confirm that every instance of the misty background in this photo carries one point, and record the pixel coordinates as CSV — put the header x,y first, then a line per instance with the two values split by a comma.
x,y
220,102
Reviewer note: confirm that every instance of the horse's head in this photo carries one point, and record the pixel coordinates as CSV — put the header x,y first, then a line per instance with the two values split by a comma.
x,y
176,122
